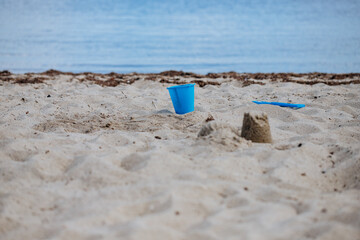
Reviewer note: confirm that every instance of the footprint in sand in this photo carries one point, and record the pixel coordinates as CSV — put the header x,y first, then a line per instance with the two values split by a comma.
x,y
20,155
134,162
300,128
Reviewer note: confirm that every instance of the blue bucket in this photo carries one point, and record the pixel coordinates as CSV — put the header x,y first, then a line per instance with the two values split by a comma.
x,y
182,97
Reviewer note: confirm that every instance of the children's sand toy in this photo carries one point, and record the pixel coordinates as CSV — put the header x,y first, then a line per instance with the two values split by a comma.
x,y
290,105
256,128
182,97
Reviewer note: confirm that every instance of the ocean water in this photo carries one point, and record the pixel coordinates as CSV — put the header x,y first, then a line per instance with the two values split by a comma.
x,y
200,36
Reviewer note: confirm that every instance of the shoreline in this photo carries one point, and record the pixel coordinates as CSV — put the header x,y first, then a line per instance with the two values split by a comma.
x,y
179,77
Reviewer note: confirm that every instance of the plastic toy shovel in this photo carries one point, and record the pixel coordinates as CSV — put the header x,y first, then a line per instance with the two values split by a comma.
x,y
291,105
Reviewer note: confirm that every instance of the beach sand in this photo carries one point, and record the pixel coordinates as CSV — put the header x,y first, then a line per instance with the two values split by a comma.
x,y
91,156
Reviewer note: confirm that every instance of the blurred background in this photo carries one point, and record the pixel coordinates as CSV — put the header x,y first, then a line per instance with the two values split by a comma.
x,y
200,36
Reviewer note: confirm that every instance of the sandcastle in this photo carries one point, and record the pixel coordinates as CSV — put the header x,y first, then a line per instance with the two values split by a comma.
x,y
256,128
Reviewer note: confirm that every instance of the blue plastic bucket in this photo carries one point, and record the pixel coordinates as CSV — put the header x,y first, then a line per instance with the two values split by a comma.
x,y
182,97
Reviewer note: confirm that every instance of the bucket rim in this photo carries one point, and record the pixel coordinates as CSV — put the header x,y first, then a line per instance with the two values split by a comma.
x,y
182,86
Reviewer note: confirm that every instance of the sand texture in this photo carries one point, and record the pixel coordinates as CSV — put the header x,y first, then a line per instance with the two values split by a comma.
x,y
91,156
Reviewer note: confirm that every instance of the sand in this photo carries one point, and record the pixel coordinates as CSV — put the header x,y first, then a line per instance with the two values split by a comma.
x,y
80,159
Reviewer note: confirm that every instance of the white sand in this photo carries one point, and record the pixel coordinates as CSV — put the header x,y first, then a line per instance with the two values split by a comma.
x,y
66,174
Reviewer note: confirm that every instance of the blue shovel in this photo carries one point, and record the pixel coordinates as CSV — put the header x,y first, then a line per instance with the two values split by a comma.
x,y
291,105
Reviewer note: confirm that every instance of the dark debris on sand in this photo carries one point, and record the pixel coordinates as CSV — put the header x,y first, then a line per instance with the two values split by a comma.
x,y
179,77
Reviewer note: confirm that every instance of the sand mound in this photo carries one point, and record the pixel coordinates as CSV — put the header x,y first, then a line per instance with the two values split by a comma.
x,y
222,135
